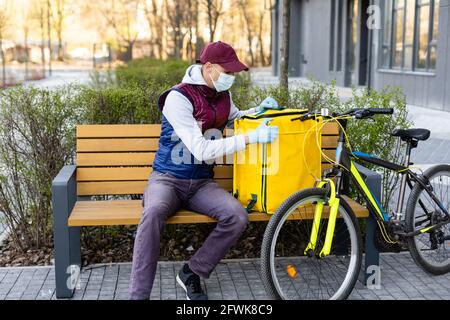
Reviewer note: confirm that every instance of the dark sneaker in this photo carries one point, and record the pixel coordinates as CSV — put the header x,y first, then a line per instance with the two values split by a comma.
x,y
190,282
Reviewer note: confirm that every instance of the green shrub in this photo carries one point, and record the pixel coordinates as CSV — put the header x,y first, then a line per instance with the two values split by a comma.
x,y
37,137
314,96
144,72
370,136
373,136
114,105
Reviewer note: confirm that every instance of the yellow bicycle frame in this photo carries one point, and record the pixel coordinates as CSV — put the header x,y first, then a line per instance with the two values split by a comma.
x,y
333,202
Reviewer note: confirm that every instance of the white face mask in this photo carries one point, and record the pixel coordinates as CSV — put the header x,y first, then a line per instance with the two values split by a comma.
x,y
224,82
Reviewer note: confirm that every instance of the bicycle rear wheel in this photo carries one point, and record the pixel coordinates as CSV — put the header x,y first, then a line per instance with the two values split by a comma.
x,y
290,274
430,250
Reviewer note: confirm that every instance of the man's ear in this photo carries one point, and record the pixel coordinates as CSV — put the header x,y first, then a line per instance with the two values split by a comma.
x,y
207,66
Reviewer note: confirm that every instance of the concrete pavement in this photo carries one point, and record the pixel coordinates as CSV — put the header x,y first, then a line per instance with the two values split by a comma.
x,y
401,279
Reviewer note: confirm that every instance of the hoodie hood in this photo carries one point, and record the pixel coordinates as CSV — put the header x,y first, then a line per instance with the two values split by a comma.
x,y
194,75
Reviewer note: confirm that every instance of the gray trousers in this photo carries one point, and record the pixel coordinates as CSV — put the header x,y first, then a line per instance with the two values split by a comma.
x,y
163,196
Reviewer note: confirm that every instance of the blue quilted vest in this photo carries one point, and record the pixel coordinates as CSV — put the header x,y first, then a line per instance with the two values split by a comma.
x,y
211,110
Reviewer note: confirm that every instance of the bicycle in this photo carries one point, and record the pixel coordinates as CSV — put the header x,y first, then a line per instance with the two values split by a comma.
x,y
327,264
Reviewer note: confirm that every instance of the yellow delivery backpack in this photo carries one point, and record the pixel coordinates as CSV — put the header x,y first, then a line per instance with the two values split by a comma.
x,y
264,175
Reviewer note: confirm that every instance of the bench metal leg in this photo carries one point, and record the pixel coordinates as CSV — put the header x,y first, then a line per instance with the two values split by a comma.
x,y
372,258
67,251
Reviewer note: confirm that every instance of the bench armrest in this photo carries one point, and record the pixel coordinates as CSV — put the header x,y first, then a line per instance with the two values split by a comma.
x,y
64,194
64,175
66,240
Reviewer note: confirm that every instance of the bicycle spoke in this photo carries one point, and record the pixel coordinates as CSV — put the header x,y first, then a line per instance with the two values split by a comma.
x,y
317,278
430,245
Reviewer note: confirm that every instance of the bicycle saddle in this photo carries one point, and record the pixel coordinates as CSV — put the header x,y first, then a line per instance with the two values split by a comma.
x,y
408,134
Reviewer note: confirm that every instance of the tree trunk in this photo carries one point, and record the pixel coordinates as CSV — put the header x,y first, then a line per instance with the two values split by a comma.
x,y
27,57
156,25
210,21
260,39
49,30
271,33
246,17
60,46
2,55
178,39
198,42
284,61
129,51
42,26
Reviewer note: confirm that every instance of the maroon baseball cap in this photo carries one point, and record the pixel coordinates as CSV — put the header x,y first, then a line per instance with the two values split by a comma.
x,y
221,53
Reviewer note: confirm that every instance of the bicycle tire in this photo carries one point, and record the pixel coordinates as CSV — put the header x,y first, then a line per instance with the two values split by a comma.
x,y
410,223
284,209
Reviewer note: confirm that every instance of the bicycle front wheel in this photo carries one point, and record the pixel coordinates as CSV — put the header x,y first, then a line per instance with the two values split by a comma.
x,y
289,272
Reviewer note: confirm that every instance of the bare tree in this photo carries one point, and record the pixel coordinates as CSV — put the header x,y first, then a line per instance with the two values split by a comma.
x,y
37,17
156,23
214,10
270,7
260,34
244,6
284,61
49,32
192,23
59,15
4,22
28,15
177,14
40,15
121,16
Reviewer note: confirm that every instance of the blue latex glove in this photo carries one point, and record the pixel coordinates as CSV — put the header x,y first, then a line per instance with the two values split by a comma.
x,y
263,133
268,103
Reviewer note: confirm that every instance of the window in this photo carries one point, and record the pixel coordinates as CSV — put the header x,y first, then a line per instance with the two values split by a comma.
x,y
409,36
340,13
336,35
332,35
387,36
353,17
427,34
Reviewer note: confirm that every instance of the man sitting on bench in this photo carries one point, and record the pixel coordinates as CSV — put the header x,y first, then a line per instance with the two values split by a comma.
x,y
182,170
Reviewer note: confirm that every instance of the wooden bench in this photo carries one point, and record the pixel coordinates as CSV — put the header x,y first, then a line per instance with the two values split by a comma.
x,y
117,160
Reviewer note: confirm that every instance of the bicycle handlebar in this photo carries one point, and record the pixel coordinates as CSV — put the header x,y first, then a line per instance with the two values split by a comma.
x,y
357,113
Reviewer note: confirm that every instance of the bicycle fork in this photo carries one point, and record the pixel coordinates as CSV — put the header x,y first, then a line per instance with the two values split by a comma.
x,y
333,203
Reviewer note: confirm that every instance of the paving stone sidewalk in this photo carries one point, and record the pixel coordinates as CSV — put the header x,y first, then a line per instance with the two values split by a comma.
x,y
232,280
435,150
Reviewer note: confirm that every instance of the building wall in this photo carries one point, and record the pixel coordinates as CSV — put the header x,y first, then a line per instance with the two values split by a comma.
x,y
310,54
423,89
309,38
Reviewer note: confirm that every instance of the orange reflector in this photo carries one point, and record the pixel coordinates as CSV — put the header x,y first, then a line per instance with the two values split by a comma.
x,y
291,271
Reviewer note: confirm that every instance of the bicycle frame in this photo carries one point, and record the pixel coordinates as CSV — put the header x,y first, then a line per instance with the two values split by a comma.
x,y
344,164
344,158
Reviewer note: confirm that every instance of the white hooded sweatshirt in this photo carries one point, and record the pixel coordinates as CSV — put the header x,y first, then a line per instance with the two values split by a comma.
x,y
178,110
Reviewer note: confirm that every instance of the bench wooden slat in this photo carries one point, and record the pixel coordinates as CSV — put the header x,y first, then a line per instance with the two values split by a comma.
x,y
330,129
136,173
115,159
113,174
133,180
149,144
118,131
128,212
127,187
150,130
142,158
117,145
329,142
